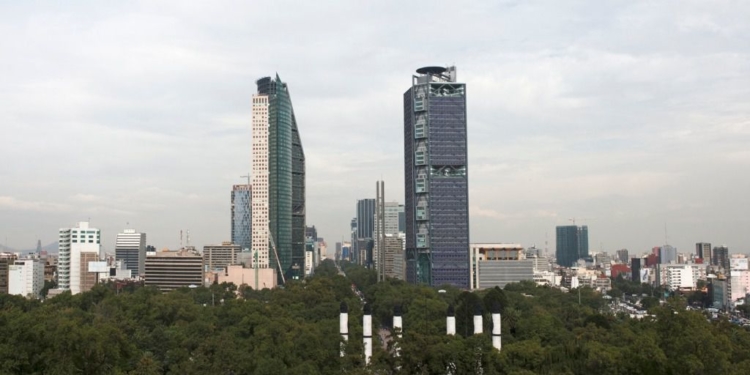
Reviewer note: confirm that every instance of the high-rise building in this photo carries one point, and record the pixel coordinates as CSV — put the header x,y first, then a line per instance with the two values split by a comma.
x,y
278,185
667,254
622,256
365,218
241,225
572,244
703,251
130,247
721,257
436,179
77,246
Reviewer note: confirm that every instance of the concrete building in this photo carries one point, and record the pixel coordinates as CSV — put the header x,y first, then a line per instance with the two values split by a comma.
x,y
6,260
219,256
394,257
238,275
26,277
278,185
172,269
572,244
76,247
720,258
622,256
500,264
241,216
680,276
390,224
436,179
130,247
703,251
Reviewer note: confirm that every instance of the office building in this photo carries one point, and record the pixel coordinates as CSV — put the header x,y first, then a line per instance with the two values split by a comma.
x,y
76,247
241,215
721,257
622,256
365,218
130,247
278,182
572,244
667,254
635,268
500,264
436,179
172,269
703,251
26,277
680,276
6,261
394,257
220,256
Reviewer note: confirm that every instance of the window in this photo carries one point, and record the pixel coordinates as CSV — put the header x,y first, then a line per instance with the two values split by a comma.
x,y
419,105
421,185
419,130
420,158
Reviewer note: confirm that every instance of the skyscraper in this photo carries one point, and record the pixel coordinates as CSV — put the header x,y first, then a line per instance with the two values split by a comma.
x,y
76,246
572,244
278,187
436,179
241,225
703,251
365,218
721,257
130,247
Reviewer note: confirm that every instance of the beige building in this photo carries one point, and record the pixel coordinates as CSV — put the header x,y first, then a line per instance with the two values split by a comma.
x,y
394,258
238,275
220,256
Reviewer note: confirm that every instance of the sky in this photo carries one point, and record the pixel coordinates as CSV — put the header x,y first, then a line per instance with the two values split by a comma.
x,y
631,117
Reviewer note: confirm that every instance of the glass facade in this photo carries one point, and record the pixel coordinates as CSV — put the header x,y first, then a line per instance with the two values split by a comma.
x,y
241,225
286,179
572,244
436,180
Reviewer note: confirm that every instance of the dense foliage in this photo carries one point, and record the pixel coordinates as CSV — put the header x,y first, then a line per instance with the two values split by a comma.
x,y
294,330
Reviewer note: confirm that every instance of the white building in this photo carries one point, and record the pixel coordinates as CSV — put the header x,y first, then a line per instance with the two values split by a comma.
x,y
739,278
26,277
681,276
76,247
260,203
130,247
499,264
390,221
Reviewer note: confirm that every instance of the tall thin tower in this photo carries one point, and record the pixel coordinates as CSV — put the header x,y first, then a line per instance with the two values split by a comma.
x,y
436,178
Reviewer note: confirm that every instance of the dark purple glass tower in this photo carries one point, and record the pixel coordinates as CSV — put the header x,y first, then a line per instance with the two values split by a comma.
x,y
436,178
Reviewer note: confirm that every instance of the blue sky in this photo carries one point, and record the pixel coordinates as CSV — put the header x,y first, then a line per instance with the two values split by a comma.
x,y
626,115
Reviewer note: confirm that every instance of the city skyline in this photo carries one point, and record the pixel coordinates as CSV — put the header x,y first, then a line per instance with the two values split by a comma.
x,y
607,115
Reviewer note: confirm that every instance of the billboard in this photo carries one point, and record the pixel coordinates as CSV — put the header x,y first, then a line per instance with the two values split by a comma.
x,y
98,267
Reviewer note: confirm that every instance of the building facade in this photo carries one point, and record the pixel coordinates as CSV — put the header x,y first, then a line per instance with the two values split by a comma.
x,y
220,256
26,277
720,257
572,244
6,261
436,179
394,258
130,247
169,270
241,216
703,251
76,247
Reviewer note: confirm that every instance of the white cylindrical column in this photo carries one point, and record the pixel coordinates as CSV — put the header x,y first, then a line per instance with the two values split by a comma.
x,y
497,342
344,326
367,333
478,326
398,326
450,321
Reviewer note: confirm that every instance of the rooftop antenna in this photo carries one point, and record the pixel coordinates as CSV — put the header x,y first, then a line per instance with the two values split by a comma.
x,y
188,238
180,237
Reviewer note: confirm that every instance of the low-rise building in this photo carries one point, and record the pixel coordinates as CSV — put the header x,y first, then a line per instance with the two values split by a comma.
x,y
500,264
172,269
238,275
26,277
220,256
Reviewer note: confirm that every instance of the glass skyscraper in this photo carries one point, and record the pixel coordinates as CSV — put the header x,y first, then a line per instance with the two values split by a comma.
x,y
241,216
572,244
278,180
436,179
